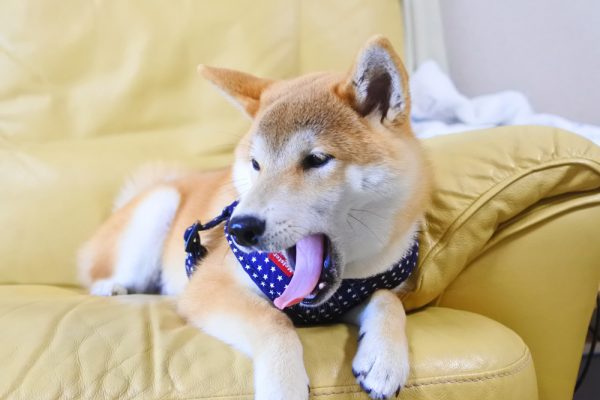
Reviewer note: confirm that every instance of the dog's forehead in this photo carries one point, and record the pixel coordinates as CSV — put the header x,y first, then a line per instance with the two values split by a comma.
x,y
295,145
303,118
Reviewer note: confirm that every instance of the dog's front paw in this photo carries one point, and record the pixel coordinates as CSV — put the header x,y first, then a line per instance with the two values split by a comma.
x,y
381,366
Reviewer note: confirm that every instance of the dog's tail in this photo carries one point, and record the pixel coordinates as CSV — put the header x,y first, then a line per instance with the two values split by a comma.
x,y
146,177
124,254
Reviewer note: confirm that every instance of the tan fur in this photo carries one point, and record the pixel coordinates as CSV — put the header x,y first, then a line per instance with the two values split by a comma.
x,y
328,105
244,88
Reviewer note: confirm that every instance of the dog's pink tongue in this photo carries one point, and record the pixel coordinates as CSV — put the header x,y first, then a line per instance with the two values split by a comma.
x,y
309,261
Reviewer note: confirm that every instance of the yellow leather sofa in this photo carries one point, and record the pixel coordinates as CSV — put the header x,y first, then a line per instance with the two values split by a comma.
x,y
91,89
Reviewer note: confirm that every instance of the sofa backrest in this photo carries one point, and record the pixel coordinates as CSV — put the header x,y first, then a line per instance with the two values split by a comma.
x,y
75,69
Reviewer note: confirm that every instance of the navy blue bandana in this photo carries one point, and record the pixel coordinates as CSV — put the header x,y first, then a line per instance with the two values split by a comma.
x,y
271,274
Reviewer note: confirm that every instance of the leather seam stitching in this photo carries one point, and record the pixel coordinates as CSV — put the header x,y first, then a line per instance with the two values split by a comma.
x,y
500,186
515,369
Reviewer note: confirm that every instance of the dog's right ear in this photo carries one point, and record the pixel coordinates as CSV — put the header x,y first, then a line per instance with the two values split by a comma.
x,y
242,89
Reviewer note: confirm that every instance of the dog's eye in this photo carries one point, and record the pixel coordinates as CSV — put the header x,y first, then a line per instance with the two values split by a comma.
x,y
255,165
316,160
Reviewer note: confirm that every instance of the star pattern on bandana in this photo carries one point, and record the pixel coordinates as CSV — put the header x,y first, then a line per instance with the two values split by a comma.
x,y
270,273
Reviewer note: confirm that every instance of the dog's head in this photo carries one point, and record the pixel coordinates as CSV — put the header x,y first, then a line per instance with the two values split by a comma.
x,y
329,173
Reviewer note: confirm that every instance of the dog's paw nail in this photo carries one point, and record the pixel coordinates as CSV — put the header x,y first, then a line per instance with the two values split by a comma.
x,y
309,389
361,336
365,388
398,390
355,373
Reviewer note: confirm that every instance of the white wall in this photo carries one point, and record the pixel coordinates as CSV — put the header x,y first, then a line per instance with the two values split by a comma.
x,y
549,49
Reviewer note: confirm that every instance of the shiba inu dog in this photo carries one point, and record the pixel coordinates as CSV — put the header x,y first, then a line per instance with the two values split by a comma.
x,y
330,178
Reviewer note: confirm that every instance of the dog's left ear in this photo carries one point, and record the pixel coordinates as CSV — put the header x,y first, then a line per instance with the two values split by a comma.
x,y
242,89
377,85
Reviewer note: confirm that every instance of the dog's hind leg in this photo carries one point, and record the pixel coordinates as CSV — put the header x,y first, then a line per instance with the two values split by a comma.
x,y
124,256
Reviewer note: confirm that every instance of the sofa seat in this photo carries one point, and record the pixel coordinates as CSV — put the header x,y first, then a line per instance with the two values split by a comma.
x,y
65,344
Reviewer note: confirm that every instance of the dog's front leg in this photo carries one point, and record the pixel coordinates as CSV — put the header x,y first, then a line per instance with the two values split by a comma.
x,y
381,362
249,323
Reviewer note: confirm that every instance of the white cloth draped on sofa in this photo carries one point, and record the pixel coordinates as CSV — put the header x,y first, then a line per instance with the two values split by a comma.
x,y
438,108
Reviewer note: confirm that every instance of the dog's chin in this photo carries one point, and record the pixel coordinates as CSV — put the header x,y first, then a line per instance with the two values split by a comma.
x,y
330,278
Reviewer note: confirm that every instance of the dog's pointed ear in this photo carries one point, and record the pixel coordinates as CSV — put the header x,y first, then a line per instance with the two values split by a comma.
x,y
377,84
242,89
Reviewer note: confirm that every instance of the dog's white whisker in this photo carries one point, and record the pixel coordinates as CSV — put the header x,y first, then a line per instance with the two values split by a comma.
x,y
366,227
368,212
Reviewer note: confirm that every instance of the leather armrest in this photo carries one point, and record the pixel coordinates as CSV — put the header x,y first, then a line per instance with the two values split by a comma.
x,y
486,179
512,234
540,277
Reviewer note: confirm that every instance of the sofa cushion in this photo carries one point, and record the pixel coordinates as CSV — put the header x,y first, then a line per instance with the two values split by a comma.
x,y
54,195
59,343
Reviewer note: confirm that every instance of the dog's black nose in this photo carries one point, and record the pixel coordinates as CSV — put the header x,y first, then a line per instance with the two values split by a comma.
x,y
246,230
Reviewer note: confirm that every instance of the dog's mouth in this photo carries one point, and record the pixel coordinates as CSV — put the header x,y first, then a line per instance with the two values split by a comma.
x,y
316,273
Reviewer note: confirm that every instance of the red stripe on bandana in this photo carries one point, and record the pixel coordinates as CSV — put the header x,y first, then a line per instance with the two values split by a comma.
x,y
279,260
